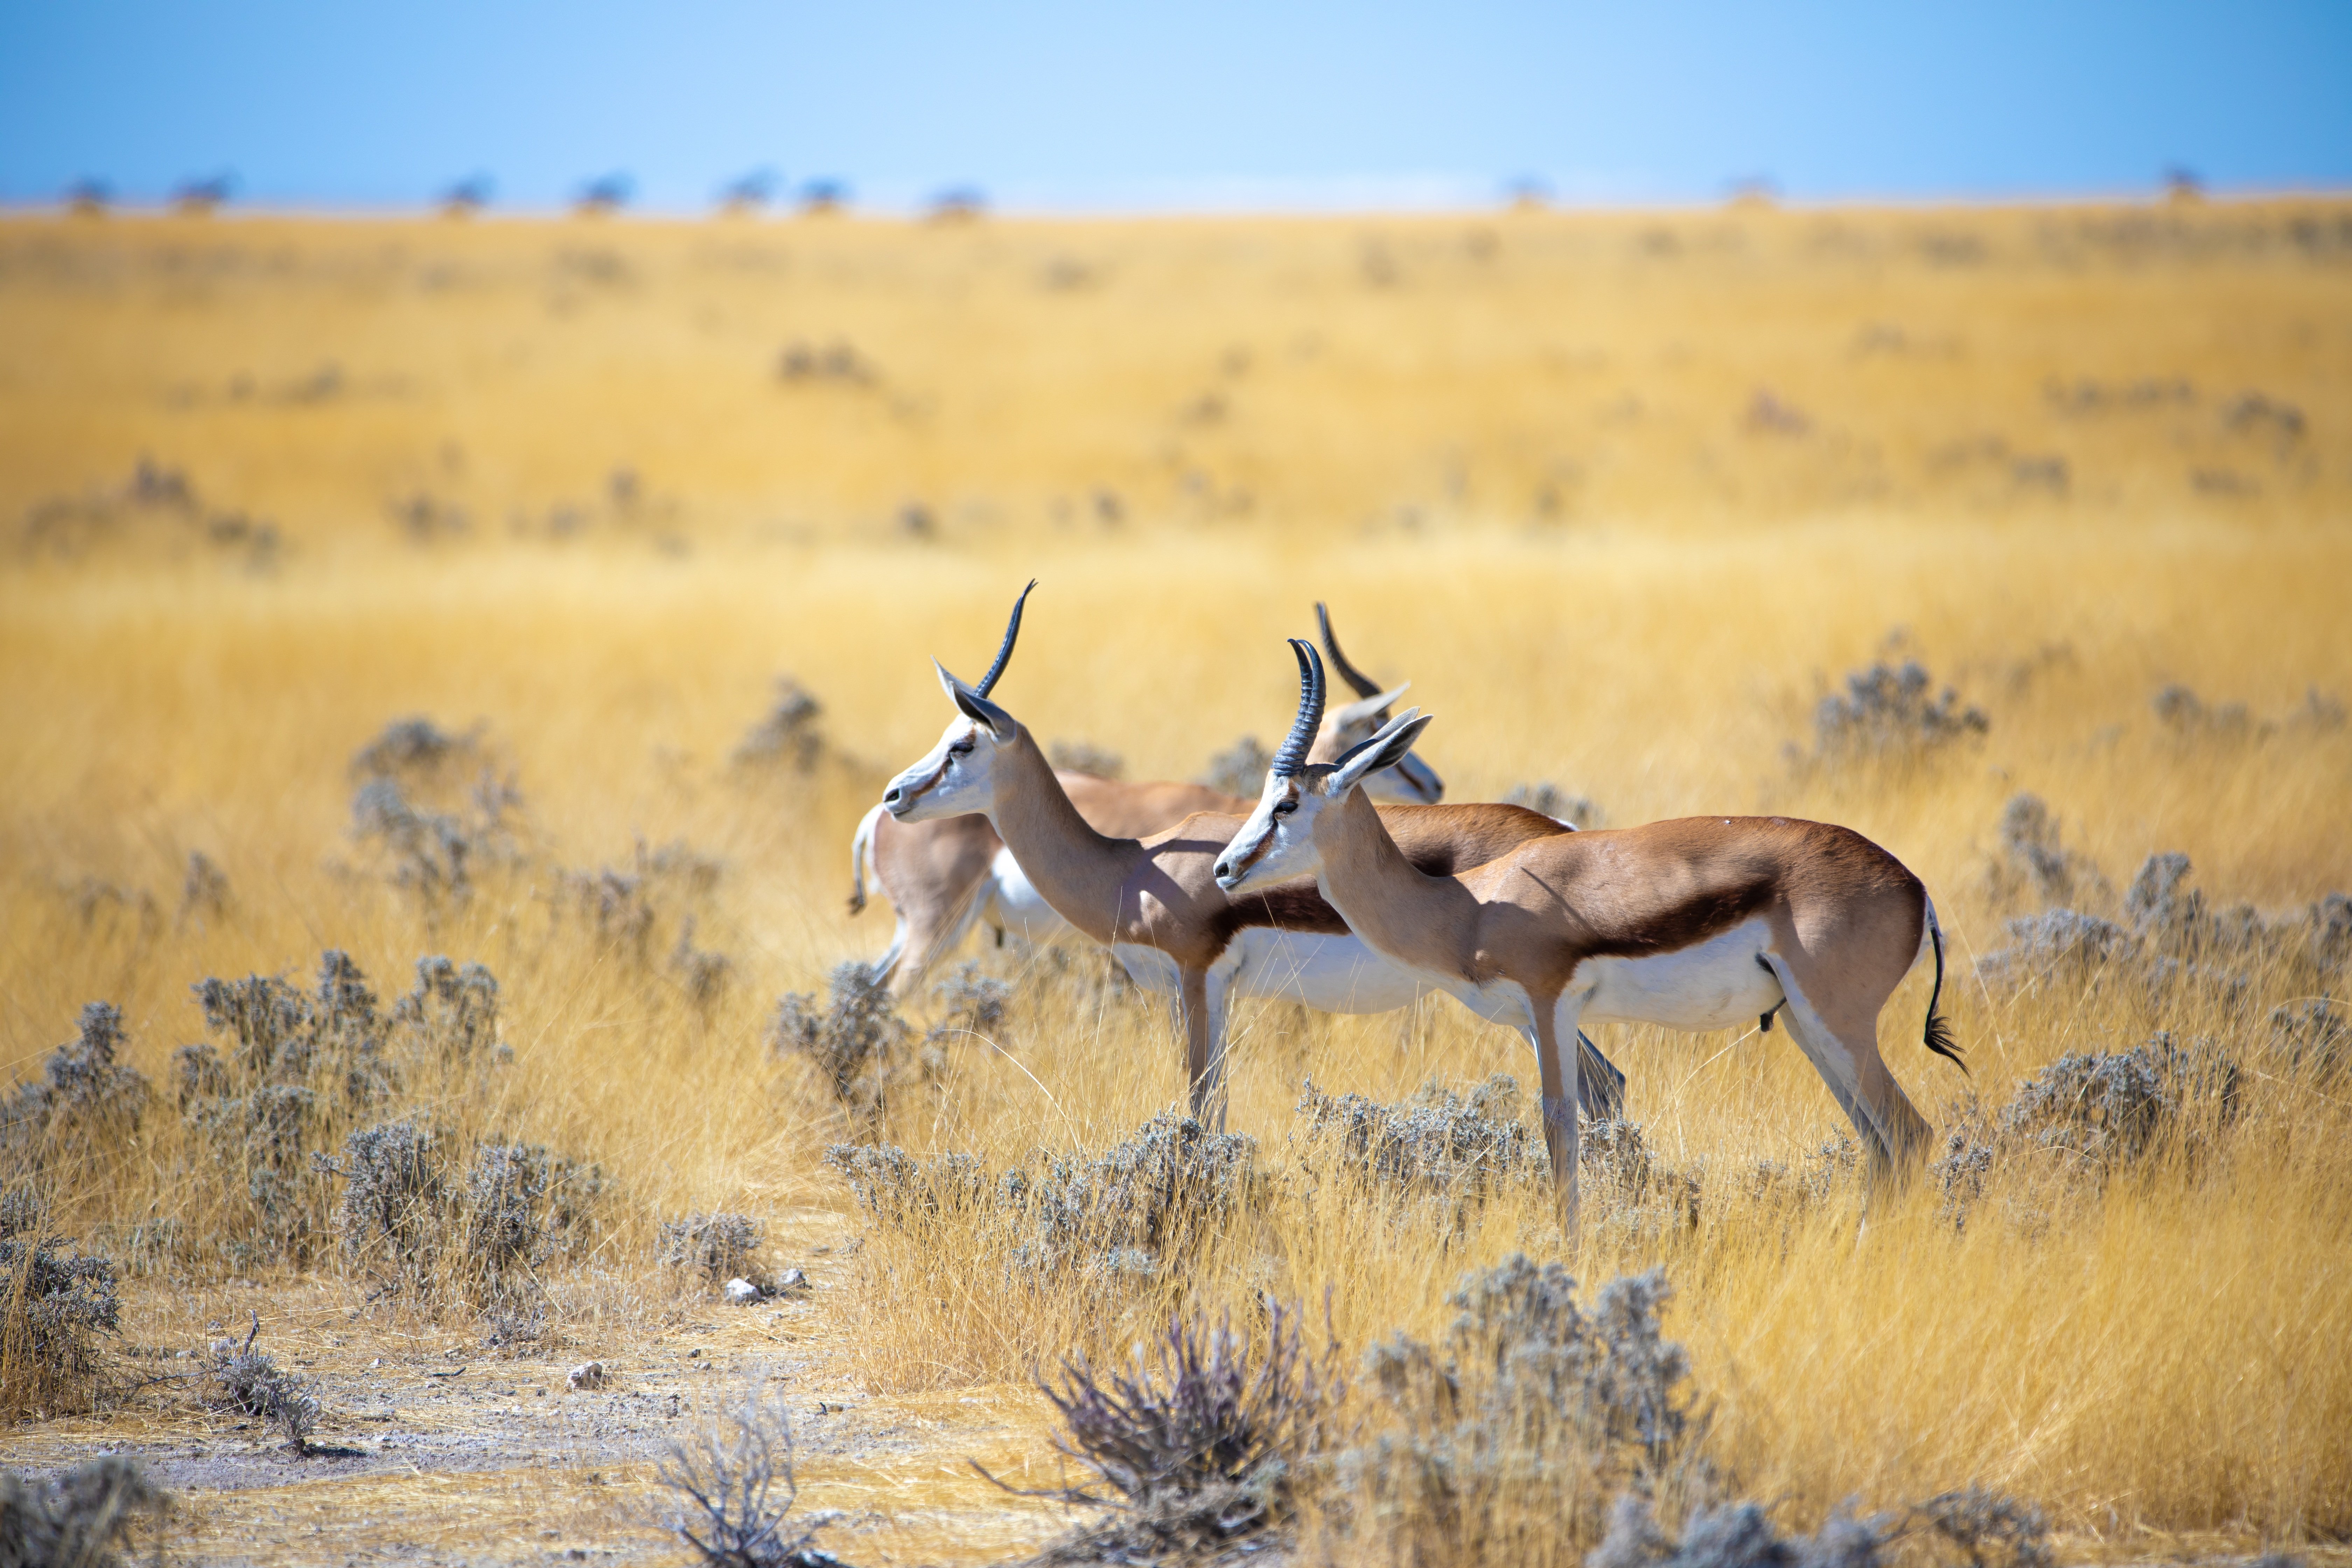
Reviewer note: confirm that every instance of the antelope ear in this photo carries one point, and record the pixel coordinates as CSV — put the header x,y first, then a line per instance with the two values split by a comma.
x,y
948,683
1384,750
980,710
1366,708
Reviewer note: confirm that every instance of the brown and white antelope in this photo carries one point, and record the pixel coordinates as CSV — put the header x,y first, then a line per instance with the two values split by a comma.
x,y
945,876
1155,900
1697,924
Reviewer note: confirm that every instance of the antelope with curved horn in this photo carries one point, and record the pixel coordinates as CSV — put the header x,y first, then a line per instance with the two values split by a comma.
x,y
945,876
1155,901
1696,924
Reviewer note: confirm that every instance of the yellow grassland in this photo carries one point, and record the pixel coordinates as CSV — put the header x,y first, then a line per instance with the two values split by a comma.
x,y
1622,494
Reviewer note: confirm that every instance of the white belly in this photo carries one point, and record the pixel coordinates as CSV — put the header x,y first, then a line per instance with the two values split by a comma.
x,y
1713,985
1018,907
1329,973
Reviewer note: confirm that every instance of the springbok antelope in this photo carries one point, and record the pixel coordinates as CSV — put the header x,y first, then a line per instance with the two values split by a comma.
x,y
1155,900
1695,923
946,875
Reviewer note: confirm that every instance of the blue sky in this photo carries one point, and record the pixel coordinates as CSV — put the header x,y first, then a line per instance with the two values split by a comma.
x,y
1059,105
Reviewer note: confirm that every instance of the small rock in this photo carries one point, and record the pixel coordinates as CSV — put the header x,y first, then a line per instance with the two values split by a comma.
x,y
742,1292
589,1374
789,1280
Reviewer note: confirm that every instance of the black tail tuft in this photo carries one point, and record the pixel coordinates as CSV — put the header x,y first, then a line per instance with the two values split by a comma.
x,y
1939,1028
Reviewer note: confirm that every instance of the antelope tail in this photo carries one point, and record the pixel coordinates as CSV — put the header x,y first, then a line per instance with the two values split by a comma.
x,y
1939,1028
861,858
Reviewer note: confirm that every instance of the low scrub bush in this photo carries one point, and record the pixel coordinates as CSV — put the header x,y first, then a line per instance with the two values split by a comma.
x,y
732,1489
1561,805
83,1099
2169,943
1240,769
87,1517
2089,1116
1502,1445
1980,1527
859,1046
1128,1209
238,1378
421,1214
789,734
1202,1444
1891,713
55,1303
717,1247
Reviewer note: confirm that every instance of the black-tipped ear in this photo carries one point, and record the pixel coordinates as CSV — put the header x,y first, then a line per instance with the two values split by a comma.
x,y
982,711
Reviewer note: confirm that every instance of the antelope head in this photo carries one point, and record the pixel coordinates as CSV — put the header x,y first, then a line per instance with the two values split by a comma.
x,y
958,776
1408,780
1277,842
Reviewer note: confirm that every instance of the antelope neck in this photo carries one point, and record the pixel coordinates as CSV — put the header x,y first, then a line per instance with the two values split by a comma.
x,y
1077,871
1420,920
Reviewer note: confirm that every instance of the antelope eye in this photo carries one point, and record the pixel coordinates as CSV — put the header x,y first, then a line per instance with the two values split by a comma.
x,y
962,747
1284,807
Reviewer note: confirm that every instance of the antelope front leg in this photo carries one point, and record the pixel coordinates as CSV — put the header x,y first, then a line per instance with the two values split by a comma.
x,y
1555,1038
1201,1002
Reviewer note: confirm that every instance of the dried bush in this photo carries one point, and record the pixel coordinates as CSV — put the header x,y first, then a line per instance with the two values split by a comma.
x,y
84,1518
1085,757
451,1015
524,1205
1239,770
1504,1446
84,1095
1203,1443
396,1206
432,852
1457,1150
974,1003
204,889
1887,715
2312,1038
896,1190
860,1046
2171,941
1438,1143
239,1378
53,1306
789,733
2032,858
1731,1535
413,746
1130,1209
1549,800
702,975
2185,715
1134,1206
731,1490
296,1071
717,1247
2093,1114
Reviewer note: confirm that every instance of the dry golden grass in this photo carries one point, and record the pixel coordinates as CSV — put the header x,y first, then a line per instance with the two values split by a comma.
x,y
1621,495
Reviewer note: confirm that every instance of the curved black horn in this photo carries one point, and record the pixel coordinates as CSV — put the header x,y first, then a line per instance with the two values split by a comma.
x,y
1364,684
1293,755
1005,654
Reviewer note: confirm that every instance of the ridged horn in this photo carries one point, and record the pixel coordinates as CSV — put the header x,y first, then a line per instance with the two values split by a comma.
x,y
1364,684
1292,754
1005,653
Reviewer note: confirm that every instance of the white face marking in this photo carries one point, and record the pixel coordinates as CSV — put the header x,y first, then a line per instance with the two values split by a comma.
x,y
1277,842
954,778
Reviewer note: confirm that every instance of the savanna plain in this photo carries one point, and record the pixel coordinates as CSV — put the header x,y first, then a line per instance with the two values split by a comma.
x,y
446,659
